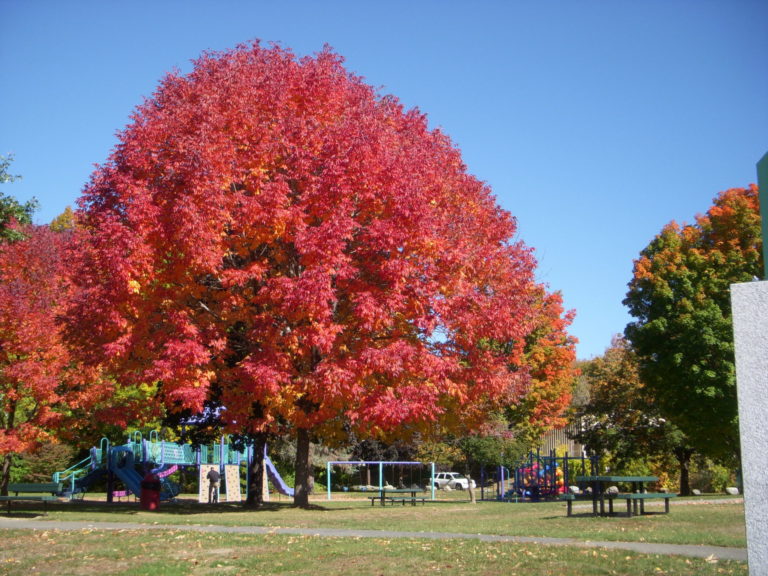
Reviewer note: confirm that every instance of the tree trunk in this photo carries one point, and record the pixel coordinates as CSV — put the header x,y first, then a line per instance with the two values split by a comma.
x,y
256,473
684,459
304,480
471,489
5,474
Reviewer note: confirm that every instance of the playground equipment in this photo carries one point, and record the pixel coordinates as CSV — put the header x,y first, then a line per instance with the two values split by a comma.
x,y
131,461
150,492
537,477
276,479
383,481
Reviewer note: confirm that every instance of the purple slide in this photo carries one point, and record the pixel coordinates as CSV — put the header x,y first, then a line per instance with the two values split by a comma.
x,y
276,479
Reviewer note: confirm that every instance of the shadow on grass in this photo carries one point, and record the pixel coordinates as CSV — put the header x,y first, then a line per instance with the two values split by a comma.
x,y
191,507
24,515
621,514
180,507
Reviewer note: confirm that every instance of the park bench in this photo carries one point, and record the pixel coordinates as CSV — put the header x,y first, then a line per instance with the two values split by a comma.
x,y
22,493
404,499
633,499
393,499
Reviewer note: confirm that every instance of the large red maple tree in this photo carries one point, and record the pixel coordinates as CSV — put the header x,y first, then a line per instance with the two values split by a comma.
x,y
272,234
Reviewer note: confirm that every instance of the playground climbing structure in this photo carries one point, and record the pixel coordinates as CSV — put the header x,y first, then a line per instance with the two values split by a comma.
x,y
538,476
129,462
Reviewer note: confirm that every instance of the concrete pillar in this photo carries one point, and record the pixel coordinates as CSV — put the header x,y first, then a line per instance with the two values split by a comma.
x,y
750,326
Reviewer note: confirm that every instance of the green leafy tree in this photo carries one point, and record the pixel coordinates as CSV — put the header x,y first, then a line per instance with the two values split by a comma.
x,y
618,417
5,164
679,296
39,465
620,420
12,213
494,445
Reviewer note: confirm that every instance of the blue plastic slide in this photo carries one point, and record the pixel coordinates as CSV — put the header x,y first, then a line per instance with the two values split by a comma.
x,y
276,479
130,478
82,484
121,463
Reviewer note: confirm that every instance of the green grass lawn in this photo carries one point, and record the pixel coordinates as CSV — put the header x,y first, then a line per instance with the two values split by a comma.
x,y
137,552
712,524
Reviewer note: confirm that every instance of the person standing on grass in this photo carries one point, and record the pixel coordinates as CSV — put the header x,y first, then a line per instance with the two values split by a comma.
x,y
214,479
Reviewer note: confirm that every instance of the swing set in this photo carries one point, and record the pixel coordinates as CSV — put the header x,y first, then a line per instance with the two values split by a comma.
x,y
390,474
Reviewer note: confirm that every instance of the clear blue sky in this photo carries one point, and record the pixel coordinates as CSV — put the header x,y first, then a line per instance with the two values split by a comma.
x,y
594,122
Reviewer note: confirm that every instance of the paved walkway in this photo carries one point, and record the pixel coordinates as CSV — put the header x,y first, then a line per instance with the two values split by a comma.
x,y
718,552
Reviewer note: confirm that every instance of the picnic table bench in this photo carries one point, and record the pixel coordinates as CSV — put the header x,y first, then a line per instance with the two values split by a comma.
x,y
43,492
384,498
635,499
641,498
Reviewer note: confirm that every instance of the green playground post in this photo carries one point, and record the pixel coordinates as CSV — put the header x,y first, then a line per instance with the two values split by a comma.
x,y
432,480
762,182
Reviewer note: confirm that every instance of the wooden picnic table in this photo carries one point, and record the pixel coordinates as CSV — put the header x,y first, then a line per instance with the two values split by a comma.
x,y
598,492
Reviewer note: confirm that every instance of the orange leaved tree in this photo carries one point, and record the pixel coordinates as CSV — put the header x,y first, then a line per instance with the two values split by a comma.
x,y
550,359
273,236
682,333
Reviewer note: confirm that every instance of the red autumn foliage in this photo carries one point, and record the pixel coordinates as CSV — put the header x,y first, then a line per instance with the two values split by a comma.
x,y
273,234
32,356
